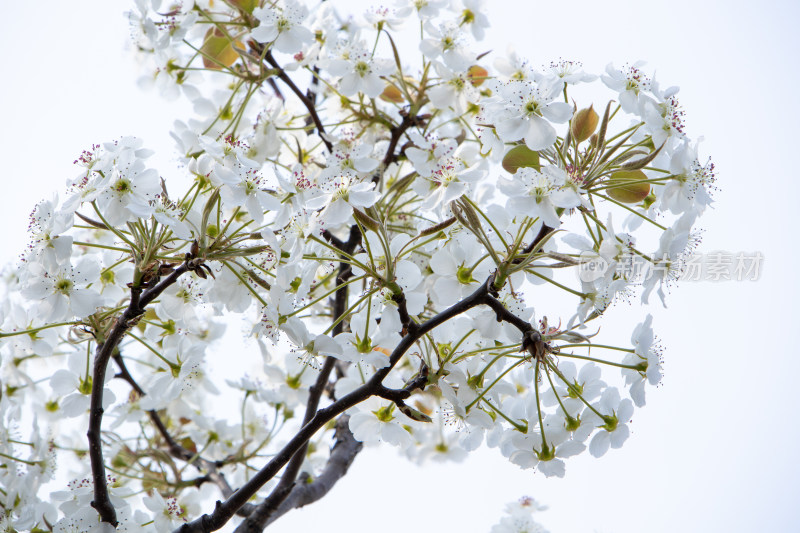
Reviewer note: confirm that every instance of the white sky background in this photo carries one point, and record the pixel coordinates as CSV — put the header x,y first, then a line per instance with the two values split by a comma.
x,y
716,447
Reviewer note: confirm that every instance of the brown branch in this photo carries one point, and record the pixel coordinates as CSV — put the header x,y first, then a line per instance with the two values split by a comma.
x,y
209,468
309,105
311,93
257,520
543,231
134,311
408,323
397,132
343,454
398,395
224,511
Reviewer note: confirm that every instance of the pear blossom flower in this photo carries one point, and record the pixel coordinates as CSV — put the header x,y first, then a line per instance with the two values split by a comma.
x,y
648,352
283,26
49,246
613,426
450,180
446,40
314,347
668,259
64,293
183,373
689,188
383,17
247,189
570,72
664,121
459,269
526,109
375,422
167,513
359,71
455,89
340,196
472,424
125,191
350,158
630,83
79,515
427,151
514,67
168,214
474,17
544,448
369,342
535,193
520,518
75,390
425,9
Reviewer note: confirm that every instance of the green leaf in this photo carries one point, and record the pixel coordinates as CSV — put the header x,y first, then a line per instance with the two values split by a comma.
x,y
628,186
217,50
521,156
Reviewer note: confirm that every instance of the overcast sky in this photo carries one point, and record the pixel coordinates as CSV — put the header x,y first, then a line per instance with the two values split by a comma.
x,y
716,447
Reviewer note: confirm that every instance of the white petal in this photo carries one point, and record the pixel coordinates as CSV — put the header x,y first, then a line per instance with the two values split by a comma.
x,y
408,275
540,135
557,112
600,443
619,436
553,467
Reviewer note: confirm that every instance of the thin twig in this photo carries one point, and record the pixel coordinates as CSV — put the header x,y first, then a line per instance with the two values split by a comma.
x,y
312,111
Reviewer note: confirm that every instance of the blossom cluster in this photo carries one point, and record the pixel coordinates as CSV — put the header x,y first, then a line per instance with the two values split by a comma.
x,y
396,230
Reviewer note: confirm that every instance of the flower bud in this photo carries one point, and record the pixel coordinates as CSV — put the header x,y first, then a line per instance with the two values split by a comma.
x,y
477,75
413,414
392,94
520,156
217,50
245,5
366,220
584,122
628,186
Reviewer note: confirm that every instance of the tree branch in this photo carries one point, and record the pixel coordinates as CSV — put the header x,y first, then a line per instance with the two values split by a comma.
x,y
257,520
209,468
309,105
343,454
543,231
224,511
398,395
134,311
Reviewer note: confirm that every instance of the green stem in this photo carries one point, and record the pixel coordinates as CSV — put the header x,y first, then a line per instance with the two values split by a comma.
x,y
572,388
247,285
601,361
114,230
36,330
493,383
557,284
539,405
592,345
517,426
157,354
